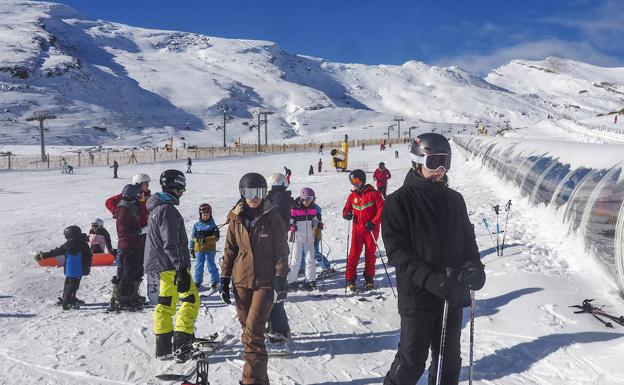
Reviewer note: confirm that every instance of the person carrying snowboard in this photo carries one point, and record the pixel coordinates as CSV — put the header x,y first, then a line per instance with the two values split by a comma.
x,y
203,245
77,263
255,261
167,254
364,205
99,238
303,218
426,230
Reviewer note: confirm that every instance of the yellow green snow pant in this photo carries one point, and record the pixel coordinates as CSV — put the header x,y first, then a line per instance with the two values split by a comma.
x,y
167,303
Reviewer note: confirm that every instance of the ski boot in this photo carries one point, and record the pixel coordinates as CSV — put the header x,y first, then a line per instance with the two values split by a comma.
x,y
293,286
164,346
309,286
351,286
183,346
370,284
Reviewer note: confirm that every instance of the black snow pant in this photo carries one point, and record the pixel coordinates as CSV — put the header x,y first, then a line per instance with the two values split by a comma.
x,y
129,270
419,333
278,321
69,290
382,190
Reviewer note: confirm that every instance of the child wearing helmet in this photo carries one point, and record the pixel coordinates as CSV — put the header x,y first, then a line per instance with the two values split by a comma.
x,y
99,238
203,245
77,263
304,217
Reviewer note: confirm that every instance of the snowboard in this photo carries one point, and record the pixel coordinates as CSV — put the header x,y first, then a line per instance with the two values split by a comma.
x,y
99,259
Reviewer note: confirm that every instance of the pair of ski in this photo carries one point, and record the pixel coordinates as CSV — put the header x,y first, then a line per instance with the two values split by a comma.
x,y
599,314
198,349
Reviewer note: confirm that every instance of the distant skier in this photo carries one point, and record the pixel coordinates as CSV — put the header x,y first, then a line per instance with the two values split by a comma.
x,y
189,163
166,254
303,218
437,234
115,167
77,263
255,230
364,205
615,119
320,165
396,154
99,238
288,174
203,245
311,170
363,146
320,150
381,176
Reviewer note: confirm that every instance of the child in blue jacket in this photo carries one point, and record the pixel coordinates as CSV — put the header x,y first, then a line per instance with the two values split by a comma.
x,y
77,263
203,246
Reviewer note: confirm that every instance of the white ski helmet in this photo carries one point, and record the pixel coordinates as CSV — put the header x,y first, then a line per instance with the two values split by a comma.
x,y
278,179
97,222
140,178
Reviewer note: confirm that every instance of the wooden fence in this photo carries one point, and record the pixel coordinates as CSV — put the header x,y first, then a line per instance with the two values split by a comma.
x,y
81,159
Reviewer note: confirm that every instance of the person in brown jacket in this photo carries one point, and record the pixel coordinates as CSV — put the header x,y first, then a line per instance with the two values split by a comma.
x,y
255,260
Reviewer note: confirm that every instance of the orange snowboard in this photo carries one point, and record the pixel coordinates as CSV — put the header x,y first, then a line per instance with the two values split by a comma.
x,y
100,259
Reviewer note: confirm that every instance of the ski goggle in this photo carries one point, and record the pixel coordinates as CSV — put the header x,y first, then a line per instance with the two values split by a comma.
x,y
253,193
433,161
205,210
355,180
308,198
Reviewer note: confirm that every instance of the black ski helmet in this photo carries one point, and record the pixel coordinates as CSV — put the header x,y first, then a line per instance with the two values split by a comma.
x,y
429,143
172,180
204,208
382,164
252,180
130,192
72,232
357,173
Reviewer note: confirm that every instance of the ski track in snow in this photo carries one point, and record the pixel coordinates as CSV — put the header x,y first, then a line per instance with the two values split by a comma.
x,y
525,333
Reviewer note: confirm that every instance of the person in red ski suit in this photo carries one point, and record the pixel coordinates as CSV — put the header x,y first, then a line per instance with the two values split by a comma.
x,y
381,176
364,205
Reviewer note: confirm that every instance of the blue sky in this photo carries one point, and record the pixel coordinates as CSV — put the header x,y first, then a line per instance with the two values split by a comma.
x,y
478,35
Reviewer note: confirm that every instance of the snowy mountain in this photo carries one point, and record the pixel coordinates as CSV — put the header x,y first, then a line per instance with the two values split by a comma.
x,y
114,84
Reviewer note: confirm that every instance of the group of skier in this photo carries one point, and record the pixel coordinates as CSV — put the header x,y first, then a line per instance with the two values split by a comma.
x,y
426,231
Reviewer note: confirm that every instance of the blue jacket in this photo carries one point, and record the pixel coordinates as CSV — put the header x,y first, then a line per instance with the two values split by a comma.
x,y
204,236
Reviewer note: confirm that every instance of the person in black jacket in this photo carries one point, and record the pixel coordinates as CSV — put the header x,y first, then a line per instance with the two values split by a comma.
x,y
278,330
426,230
77,263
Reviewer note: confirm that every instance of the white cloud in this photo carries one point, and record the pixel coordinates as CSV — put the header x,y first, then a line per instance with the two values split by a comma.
x,y
534,50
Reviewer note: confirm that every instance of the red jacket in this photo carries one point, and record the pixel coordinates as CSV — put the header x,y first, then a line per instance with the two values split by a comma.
x,y
382,176
112,202
128,227
366,205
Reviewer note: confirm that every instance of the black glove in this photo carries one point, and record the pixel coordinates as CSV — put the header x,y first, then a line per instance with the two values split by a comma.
x,y
348,216
114,252
443,287
472,275
39,256
369,226
281,289
182,280
224,290
192,252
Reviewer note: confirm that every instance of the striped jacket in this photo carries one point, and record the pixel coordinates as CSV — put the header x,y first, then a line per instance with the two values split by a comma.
x,y
305,218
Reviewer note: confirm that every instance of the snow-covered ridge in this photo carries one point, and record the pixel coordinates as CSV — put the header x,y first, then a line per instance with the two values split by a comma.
x,y
139,83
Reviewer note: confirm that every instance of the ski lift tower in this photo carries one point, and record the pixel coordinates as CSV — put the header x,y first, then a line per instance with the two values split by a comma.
x,y
41,116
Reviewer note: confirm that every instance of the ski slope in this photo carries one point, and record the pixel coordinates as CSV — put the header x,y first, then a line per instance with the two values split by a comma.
x,y
525,331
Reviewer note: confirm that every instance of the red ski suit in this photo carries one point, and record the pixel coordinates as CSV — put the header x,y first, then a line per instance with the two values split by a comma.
x,y
366,205
112,202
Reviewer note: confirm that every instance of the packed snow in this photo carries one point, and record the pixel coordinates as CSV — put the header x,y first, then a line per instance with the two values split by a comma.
x,y
526,333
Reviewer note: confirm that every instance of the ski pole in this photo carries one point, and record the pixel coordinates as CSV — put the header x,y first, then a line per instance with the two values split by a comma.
x,y
497,210
508,209
487,227
384,264
449,274
471,355
348,236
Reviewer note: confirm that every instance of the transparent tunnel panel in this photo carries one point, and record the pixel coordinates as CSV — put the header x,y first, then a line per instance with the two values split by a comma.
x,y
569,184
539,167
545,191
578,201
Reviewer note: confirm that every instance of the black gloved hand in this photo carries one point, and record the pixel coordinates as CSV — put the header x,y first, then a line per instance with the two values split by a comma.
x,y
224,290
442,286
281,289
182,280
39,256
192,252
369,226
472,275
348,216
114,252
